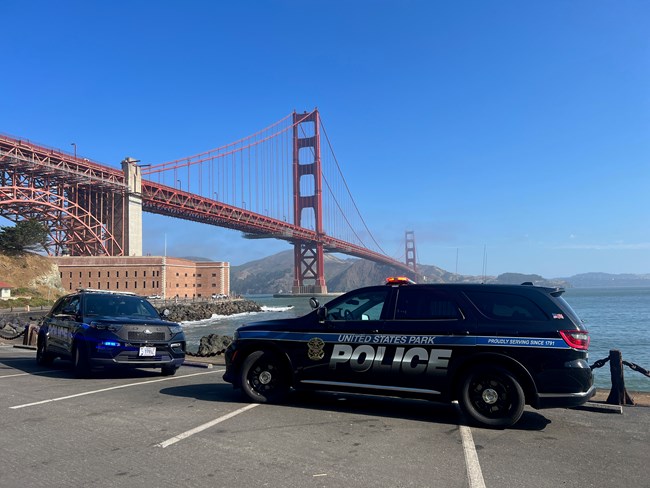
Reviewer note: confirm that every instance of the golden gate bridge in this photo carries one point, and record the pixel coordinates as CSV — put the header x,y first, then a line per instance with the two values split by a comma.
x,y
282,182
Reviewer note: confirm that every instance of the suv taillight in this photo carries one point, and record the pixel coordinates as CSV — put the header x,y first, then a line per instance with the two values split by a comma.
x,y
577,339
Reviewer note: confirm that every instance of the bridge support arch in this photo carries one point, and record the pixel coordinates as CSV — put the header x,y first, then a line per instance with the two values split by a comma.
x,y
88,209
309,275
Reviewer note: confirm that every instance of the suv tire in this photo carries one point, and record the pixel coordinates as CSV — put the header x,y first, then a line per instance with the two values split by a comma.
x,y
43,358
80,362
492,397
263,377
168,370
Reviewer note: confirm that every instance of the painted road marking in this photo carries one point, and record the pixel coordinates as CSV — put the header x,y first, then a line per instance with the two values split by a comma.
x,y
474,473
29,374
92,392
207,425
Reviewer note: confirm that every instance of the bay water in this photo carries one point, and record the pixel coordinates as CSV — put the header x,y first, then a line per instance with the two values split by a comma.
x,y
617,318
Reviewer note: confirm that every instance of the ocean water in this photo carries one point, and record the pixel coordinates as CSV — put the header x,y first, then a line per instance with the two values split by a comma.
x,y
617,318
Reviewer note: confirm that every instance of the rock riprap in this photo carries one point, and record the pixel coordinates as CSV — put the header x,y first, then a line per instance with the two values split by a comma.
x,y
192,311
212,344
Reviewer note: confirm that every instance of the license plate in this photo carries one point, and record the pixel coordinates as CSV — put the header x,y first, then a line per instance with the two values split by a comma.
x,y
147,351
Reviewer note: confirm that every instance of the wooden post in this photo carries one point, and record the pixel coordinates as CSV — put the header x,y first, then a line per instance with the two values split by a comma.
x,y
30,338
618,394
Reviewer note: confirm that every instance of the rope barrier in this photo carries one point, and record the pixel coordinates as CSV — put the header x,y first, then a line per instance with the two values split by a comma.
x,y
637,368
634,367
600,363
11,338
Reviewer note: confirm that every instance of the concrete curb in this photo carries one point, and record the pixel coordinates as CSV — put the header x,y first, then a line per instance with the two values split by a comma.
x,y
602,407
198,364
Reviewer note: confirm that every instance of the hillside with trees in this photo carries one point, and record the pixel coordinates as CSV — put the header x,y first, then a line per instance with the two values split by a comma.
x,y
26,236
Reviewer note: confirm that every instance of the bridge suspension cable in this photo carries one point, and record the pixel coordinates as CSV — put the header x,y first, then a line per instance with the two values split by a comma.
x,y
255,174
349,194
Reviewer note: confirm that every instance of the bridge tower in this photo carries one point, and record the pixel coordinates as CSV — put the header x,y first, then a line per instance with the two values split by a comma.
x,y
307,196
132,207
410,252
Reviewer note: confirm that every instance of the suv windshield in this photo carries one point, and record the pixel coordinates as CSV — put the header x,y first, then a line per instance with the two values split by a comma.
x,y
119,306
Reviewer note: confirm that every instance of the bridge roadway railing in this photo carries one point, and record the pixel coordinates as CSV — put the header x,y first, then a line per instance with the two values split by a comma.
x,y
165,200
49,162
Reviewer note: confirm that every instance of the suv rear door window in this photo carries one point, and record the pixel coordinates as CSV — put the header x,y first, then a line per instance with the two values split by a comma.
x,y
506,306
425,304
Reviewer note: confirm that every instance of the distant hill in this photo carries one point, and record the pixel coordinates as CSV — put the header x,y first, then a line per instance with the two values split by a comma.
x,y
36,276
274,274
606,280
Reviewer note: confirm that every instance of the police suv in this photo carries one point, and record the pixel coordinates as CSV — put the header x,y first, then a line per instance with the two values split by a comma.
x,y
101,328
493,348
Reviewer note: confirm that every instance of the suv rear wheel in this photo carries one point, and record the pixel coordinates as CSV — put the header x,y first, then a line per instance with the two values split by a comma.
x,y
492,397
263,378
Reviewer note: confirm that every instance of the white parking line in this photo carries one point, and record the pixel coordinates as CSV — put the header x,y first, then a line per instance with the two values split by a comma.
x,y
113,388
207,425
474,473
29,374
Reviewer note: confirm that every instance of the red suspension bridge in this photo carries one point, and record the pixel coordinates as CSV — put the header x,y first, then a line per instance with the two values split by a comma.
x,y
282,182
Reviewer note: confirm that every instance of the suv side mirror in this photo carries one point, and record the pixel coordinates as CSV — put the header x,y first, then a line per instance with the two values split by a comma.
x,y
321,313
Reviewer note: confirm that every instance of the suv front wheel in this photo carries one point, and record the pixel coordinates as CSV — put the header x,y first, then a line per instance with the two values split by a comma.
x,y
492,397
263,378
80,362
43,358
169,370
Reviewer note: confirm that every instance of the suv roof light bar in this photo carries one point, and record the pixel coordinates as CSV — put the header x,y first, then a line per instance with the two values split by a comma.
x,y
399,280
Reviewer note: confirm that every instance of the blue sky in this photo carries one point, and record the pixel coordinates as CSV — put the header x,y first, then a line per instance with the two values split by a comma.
x,y
521,128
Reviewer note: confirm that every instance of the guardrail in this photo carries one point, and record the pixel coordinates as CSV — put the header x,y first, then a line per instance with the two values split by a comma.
x,y
618,395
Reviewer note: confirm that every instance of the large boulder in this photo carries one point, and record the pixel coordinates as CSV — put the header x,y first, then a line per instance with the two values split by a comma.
x,y
213,345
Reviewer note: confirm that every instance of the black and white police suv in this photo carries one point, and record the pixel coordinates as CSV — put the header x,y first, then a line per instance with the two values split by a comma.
x,y
493,348
108,328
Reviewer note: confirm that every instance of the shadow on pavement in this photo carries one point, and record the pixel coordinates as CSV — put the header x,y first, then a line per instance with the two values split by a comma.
x,y
377,406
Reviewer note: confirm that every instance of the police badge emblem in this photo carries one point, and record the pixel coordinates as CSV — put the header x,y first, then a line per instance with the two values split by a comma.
x,y
315,347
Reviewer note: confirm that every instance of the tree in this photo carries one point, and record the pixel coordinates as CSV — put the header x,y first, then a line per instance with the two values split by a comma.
x,y
26,235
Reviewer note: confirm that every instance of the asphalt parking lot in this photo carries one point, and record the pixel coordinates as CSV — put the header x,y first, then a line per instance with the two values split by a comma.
x,y
140,429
